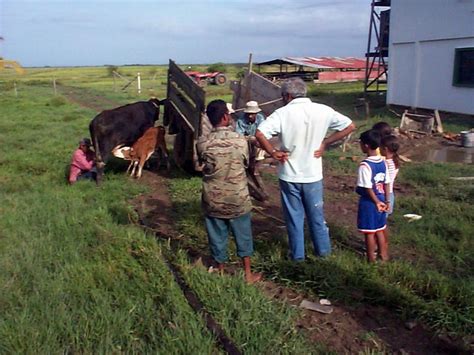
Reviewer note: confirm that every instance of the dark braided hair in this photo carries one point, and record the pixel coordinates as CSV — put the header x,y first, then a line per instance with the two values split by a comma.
x,y
392,144
383,128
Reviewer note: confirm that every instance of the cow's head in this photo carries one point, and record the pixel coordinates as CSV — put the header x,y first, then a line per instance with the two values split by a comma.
x,y
156,102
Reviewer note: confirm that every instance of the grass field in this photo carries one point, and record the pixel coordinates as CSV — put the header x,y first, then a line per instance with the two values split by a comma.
x,y
79,276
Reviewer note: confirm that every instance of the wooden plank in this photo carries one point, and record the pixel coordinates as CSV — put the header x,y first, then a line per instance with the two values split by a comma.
x,y
176,111
167,117
418,115
185,107
439,125
257,88
196,93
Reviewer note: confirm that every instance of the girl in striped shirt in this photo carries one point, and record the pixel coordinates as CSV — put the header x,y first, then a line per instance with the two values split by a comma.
x,y
389,148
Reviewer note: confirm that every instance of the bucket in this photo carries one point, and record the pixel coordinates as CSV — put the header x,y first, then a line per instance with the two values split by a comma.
x,y
467,139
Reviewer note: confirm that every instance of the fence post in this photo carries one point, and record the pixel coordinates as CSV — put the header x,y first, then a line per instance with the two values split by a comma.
x,y
54,86
250,64
139,84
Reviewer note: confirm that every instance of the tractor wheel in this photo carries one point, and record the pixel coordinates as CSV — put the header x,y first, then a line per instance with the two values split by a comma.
x,y
220,79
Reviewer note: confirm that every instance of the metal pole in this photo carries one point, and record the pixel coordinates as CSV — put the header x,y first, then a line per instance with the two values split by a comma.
x,y
367,73
14,89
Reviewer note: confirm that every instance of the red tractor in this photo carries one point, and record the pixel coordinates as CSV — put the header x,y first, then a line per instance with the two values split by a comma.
x,y
202,79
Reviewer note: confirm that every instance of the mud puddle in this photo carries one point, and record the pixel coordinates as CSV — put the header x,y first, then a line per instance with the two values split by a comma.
x,y
449,154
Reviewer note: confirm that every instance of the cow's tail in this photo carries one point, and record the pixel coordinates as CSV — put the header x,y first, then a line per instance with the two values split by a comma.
x,y
99,163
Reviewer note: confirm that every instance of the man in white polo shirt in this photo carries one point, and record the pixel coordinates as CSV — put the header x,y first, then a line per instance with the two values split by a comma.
x,y
302,126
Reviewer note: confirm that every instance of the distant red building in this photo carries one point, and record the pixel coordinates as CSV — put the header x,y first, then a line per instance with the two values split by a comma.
x,y
319,69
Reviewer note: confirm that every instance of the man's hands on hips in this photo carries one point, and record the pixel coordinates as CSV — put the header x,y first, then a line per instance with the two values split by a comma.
x,y
318,153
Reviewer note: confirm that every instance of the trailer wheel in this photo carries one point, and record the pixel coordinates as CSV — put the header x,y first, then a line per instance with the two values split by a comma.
x,y
220,79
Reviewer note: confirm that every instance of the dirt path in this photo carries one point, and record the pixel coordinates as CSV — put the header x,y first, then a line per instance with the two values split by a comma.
x,y
84,97
346,330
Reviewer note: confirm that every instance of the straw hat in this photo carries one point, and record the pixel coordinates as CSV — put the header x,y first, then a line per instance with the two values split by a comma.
x,y
252,107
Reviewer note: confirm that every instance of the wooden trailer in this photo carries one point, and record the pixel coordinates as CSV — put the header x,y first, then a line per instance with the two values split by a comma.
x,y
184,113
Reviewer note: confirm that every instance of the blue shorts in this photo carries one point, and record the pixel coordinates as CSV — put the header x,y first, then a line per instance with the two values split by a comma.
x,y
218,236
369,220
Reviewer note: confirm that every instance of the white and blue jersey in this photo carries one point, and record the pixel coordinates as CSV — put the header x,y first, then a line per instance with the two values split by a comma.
x,y
373,175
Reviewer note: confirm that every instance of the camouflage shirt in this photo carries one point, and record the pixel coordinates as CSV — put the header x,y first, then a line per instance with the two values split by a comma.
x,y
224,155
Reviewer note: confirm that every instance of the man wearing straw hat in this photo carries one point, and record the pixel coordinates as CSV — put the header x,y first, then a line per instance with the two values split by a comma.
x,y
248,121
246,124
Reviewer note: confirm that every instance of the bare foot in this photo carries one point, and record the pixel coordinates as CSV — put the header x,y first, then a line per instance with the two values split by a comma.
x,y
253,277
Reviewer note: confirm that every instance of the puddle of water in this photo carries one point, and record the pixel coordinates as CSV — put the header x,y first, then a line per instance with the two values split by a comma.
x,y
447,155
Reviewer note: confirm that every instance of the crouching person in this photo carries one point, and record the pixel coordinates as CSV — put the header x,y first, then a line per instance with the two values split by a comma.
x,y
82,163
225,195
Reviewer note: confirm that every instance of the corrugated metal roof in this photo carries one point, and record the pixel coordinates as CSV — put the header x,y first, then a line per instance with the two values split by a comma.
x,y
321,62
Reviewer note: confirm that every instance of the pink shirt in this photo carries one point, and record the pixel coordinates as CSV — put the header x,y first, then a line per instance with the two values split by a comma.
x,y
80,162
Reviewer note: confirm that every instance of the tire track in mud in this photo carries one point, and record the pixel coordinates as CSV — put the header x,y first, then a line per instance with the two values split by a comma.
x,y
86,98
162,229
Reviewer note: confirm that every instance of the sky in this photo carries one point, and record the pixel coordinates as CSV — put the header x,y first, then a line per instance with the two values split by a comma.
x,y
106,32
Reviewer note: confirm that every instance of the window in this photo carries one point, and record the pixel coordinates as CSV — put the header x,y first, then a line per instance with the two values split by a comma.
x,y
464,67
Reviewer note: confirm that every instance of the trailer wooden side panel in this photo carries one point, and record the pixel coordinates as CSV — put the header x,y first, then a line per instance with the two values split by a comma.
x,y
184,107
257,88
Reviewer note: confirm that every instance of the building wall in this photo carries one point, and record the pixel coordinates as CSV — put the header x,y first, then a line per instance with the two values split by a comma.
x,y
423,37
336,76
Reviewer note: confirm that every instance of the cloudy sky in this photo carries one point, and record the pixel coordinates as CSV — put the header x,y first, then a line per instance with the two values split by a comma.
x,y
86,32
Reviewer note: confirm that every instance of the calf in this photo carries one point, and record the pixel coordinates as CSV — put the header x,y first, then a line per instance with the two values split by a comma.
x,y
121,126
142,149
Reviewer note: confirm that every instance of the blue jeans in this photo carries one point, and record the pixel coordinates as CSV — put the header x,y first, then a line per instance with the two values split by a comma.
x,y
298,200
88,175
218,236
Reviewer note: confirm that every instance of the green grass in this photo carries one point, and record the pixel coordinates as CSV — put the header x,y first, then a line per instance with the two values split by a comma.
x,y
76,275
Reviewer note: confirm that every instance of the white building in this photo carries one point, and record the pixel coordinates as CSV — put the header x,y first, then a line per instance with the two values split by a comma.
x,y
431,55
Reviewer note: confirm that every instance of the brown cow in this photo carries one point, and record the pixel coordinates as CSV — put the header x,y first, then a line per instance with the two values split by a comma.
x,y
142,149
